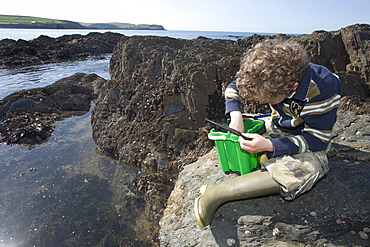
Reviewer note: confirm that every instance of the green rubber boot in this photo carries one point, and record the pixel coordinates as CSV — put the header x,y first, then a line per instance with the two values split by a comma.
x,y
212,196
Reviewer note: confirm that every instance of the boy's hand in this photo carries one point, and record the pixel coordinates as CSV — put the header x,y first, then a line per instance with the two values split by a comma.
x,y
258,144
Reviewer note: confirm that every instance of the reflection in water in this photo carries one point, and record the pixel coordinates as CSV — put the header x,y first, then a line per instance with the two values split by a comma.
x,y
60,193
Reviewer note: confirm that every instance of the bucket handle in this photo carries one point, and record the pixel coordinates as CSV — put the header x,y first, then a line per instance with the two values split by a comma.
x,y
217,138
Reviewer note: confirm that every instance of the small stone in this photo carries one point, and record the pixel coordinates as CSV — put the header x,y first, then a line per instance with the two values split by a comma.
x,y
366,229
339,221
313,214
230,241
275,232
363,235
248,233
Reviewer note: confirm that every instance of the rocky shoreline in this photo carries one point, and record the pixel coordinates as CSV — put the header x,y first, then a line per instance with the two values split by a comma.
x,y
53,50
151,115
28,116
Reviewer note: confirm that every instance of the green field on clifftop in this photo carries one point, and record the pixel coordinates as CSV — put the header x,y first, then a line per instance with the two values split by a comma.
x,y
17,19
12,20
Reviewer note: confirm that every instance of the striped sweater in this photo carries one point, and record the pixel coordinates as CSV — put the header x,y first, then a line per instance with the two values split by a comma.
x,y
309,114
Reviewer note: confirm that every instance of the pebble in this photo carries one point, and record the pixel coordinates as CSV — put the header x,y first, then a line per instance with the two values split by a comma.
x,y
275,232
230,241
313,214
248,233
363,235
339,221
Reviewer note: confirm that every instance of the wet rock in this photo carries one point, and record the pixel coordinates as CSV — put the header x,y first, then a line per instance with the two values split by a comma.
x,y
28,116
27,128
47,50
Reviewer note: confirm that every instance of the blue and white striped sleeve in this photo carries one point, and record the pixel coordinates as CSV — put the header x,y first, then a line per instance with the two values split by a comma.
x,y
319,117
232,98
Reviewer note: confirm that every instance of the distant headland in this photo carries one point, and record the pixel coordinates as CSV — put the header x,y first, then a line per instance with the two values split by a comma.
x,y
30,22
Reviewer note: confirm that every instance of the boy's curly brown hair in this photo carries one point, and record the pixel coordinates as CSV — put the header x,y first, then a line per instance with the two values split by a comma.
x,y
270,69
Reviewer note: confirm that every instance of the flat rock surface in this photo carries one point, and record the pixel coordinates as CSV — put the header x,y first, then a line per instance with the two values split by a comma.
x,y
334,213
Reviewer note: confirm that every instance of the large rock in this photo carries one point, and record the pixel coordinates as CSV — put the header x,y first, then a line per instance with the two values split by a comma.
x,y
346,53
27,116
334,213
162,88
159,94
150,114
47,50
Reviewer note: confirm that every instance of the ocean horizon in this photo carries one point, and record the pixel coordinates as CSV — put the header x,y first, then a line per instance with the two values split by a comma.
x,y
28,34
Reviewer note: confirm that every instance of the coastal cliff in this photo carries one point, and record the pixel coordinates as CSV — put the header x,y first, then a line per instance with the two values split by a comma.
x,y
47,25
32,22
150,114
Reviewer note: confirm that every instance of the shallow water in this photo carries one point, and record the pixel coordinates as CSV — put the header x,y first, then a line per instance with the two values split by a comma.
x,y
59,193
12,80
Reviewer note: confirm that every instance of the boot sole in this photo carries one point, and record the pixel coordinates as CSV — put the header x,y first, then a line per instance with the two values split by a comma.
x,y
197,209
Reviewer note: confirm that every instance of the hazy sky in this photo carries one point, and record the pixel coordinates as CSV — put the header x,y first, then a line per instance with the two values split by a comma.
x,y
274,16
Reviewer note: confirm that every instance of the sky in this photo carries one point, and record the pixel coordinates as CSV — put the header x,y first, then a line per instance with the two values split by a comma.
x,y
262,16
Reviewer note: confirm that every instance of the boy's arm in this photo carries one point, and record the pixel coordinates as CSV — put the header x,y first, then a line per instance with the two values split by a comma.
x,y
232,98
236,122
319,118
233,107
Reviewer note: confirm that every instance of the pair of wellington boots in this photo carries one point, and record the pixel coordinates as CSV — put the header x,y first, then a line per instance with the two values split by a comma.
x,y
212,196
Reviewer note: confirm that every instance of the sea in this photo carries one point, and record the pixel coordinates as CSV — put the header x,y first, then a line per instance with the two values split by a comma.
x,y
61,192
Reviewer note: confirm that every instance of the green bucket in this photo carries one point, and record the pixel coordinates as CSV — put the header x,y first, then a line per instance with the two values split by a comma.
x,y
231,156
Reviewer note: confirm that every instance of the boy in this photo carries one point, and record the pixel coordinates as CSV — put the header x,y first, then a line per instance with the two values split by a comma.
x,y
304,99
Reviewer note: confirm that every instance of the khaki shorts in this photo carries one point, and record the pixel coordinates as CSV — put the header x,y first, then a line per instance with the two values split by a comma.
x,y
295,174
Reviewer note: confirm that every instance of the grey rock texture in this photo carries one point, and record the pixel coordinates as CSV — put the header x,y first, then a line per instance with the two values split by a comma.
x,y
334,213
